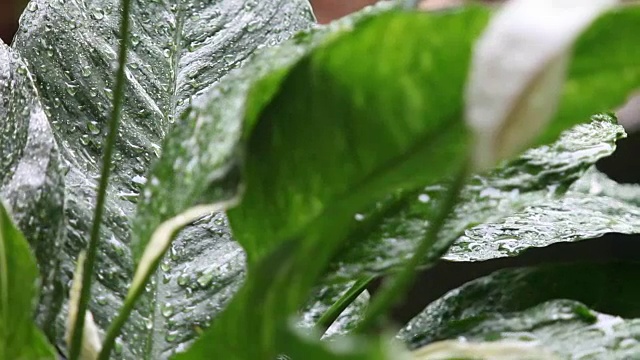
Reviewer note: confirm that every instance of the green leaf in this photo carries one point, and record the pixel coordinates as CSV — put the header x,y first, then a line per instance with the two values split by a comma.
x,y
593,206
19,336
594,83
520,305
348,127
178,52
392,229
31,180
202,157
351,121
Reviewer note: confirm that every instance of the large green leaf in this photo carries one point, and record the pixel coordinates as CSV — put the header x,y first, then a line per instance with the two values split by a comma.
x,y
344,129
203,152
534,181
391,230
31,179
178,51
338,134
19,336
201,157
519,305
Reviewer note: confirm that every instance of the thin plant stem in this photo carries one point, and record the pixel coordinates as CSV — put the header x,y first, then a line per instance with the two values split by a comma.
x,y
118,98
118,323
149,262
330,316
393,290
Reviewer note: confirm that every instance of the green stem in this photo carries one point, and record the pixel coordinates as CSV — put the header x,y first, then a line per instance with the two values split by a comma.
x,y
117,324
118,93
395,289
338,307
148,264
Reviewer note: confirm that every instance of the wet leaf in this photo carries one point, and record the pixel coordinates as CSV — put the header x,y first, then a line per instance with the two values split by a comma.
x,y
308,172
596,318
534,181
310,156
593,206
178,51
202,156
19,336
31,180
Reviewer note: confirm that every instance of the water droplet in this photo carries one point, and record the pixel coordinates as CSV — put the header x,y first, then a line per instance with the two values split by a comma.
x,y
86,71
424,198
32,6
72,89
205,279
253,25
183,279
97,14
135,40
118,347
359,217
93,127
166,310
139,180
101,300
171,336
84,139
165,266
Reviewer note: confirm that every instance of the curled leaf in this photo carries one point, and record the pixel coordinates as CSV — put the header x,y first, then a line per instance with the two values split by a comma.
x,y
518,69
90,336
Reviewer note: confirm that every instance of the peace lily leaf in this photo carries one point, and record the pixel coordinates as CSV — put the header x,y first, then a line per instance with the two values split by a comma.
x,y
594,83
593,206
308,172
376,140
178,51
31,179
201,157
517,71
19,336
519,305
539,176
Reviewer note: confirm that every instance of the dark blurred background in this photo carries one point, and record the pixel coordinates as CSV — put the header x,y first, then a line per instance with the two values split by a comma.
x,y
434,282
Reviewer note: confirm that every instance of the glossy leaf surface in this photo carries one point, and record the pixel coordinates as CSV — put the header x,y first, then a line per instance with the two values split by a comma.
x,y
596,318
178,51
31,180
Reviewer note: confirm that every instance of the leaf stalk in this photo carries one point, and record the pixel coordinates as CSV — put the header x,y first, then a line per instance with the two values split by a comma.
x,y
114,122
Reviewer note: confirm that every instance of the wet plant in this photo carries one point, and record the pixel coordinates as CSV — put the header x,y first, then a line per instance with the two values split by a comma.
x,y
197,179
